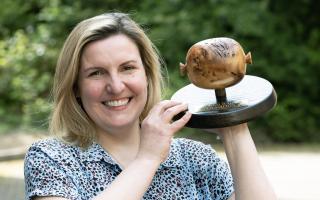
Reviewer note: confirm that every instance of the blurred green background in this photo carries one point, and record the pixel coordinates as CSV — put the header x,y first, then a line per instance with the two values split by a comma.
x,y
283,37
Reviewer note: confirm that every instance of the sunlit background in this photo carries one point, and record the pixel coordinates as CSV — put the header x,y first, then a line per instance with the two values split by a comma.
x,y
283,37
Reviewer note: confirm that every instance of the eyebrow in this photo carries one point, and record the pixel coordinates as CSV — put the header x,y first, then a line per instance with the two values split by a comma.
x,y
128,62
96,67
91,68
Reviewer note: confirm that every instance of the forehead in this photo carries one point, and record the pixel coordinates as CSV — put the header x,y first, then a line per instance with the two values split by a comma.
x,y
117,41
115,48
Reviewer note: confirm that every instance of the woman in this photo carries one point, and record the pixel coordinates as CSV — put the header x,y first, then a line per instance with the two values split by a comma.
x,y
115,136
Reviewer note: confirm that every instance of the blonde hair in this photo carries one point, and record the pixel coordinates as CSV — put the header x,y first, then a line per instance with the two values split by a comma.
x,y
69,121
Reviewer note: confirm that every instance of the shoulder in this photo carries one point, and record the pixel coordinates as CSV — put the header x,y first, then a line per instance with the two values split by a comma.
x,y
53,145
52,149
49,169
51,155
50,143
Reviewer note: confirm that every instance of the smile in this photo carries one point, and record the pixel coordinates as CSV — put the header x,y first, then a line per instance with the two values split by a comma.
x,y
119,102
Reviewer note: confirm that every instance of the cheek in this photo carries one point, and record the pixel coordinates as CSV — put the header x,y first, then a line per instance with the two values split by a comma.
x,y
140,84
90,91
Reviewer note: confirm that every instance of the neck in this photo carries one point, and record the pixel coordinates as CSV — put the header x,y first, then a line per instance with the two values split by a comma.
x,y
122,144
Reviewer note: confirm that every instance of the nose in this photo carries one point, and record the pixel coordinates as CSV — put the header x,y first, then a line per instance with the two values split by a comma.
x,y
115,85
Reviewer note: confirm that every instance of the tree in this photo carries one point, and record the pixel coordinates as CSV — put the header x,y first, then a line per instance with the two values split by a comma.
x,y
284,40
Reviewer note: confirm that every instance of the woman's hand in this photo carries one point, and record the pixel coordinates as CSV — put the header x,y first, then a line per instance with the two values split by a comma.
x,y
157,130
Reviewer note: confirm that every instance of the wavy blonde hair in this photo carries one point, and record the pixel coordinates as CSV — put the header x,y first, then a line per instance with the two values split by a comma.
x,y
69,121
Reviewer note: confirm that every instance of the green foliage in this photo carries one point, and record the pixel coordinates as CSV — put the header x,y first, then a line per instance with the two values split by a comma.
x,y
284,39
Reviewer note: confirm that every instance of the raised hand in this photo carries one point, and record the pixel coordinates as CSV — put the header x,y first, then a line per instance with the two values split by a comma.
x,y
157,129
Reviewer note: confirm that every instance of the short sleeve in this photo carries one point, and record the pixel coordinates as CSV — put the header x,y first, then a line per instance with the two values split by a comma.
x,y
44,177
211,173
220,178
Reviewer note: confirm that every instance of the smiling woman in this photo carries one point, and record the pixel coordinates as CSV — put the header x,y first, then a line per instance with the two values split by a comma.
x,y
115,93
69,120
115,136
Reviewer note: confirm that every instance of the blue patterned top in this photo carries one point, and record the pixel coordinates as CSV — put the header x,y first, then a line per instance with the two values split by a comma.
x,y
192,171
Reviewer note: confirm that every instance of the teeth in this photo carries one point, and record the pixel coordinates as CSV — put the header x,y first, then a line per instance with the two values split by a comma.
x,y
121,102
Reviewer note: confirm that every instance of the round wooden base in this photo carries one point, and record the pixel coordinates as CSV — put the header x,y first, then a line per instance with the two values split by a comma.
x,y
251,97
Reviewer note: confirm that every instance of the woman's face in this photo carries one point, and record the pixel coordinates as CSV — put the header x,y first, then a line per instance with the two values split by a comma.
x,y
112,83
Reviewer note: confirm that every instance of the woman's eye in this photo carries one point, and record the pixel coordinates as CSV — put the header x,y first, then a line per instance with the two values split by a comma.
x,y
96,73
128,67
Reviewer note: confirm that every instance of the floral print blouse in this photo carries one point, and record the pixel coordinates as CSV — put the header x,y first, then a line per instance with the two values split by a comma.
x,y
192,171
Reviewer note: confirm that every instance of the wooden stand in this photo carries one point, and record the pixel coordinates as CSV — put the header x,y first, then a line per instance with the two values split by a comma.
x,y
251,97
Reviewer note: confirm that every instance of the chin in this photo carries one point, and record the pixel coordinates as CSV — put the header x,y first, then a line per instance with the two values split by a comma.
x,y
117,124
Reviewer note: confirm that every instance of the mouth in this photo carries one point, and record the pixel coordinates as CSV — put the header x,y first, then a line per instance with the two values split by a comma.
x,y
117,103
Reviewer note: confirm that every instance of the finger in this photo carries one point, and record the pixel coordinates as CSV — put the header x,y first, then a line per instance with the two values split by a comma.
x,y
169,104
177,125
164,105
173,111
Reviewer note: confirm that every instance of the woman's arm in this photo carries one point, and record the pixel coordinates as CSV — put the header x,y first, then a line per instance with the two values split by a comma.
x,y
250,181
157,131
131,183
